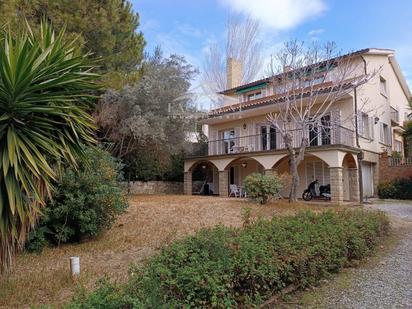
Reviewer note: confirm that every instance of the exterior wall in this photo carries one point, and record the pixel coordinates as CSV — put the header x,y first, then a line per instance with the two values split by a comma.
x,y
377,105
158,187
389,173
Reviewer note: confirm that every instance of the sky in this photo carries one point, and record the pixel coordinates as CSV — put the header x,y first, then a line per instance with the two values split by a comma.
x,y
187,27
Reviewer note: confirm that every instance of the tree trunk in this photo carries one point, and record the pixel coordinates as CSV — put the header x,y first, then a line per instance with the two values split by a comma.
x,y
295,179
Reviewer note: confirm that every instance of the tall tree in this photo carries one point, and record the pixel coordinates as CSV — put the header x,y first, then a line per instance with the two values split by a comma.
x,y
44,120
107,28
242,44
310,80
148,116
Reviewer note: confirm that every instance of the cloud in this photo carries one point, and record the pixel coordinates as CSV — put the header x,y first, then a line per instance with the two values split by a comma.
x,y
278,14
316,32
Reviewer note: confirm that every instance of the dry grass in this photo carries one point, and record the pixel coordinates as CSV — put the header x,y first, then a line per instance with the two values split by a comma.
x,y
150,223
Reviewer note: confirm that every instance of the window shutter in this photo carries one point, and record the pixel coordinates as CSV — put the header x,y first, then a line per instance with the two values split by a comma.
x,y
359,122
381,133
212,141
237,136
251,139
371,128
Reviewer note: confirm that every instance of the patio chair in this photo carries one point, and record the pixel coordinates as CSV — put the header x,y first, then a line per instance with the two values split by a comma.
x,y
234,190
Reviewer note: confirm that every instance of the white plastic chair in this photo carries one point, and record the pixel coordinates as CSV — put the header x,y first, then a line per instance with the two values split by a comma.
x,y
234,190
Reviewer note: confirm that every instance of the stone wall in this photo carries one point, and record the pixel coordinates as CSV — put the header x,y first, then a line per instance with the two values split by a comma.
x,y
388,173
154,187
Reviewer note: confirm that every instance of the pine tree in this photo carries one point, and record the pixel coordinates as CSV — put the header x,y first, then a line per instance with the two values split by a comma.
x,y
106,28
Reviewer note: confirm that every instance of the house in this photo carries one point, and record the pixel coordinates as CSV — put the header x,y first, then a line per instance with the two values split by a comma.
x,y
241,141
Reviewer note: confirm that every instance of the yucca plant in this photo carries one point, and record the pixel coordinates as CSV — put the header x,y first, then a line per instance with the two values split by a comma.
x,y
45,96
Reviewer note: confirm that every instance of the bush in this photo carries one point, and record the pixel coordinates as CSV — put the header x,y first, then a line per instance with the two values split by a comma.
x,y
107,295
262,187
397,189
85,202
242,267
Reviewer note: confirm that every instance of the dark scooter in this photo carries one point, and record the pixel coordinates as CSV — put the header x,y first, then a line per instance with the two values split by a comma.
x,y
310,192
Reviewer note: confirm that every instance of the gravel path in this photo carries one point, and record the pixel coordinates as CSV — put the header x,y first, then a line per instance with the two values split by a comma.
x,y
387,284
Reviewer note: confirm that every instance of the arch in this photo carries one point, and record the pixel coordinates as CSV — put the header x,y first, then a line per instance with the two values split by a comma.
x,y
195,164
203,178
349,161
244,159
269,161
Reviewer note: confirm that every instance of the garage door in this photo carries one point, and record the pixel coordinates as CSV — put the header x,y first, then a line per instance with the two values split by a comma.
x,y
367,179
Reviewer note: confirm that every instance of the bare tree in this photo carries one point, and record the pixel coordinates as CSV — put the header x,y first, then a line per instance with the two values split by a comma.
x,y
309,81
242,44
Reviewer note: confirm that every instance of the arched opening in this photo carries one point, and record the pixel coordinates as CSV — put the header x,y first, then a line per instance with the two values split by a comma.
x,y
310,169
205,178
350,178
237,170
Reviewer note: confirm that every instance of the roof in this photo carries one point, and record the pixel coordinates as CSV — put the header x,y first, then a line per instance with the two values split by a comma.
x,y
268,79
273,99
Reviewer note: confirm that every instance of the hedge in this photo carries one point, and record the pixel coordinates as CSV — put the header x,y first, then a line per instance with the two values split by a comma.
x,y
400,188
241,267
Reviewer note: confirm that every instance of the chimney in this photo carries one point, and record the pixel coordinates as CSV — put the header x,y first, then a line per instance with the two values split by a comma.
x,y
233,73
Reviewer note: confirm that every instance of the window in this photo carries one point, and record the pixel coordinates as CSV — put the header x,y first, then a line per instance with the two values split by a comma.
x,y
320,132
363,124
268,137
385,136
383,88
398,146
254,96
228,140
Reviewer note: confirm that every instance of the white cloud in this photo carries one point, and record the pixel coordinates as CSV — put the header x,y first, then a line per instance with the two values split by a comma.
x,y
316,32
278,14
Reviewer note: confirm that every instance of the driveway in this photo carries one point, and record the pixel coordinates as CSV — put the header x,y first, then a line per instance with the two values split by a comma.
x,y
387,283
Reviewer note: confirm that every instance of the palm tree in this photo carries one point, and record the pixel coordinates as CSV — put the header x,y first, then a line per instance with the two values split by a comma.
x,y
45,97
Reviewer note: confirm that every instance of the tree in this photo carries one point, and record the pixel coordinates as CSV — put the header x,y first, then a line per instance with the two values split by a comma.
x,y
107,28
242,44
310,80
44,120
141,119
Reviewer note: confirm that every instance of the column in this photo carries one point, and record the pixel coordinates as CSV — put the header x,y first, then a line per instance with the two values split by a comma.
x,y
223,183
268,172
353,176
336,184
187,183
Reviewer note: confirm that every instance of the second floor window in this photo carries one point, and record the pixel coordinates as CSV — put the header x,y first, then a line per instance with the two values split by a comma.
x,y
254,96
384,135
364,125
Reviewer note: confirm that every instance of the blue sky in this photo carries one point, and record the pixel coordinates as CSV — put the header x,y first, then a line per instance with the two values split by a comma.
x,y
186,27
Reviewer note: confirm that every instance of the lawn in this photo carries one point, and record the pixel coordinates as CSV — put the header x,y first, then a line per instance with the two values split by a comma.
x,y
150,223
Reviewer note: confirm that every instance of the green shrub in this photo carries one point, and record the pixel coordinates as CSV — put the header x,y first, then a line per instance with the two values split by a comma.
x,y
37,239
227,267
107,295
397,189
85,202
262,187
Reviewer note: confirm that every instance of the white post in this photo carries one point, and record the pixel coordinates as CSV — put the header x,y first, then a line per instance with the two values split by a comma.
x,y
75,266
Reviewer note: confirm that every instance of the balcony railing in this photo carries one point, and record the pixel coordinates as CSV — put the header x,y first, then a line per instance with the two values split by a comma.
x,y
318,136
394,115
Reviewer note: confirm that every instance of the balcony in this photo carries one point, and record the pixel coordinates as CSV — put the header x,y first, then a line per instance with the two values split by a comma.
x,y
394,115
318,136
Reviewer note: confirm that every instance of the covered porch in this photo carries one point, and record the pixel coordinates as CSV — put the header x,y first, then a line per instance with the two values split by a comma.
x,y
335,167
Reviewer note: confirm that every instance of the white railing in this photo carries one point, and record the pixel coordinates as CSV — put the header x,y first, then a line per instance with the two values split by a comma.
x,y
400,161
320,136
